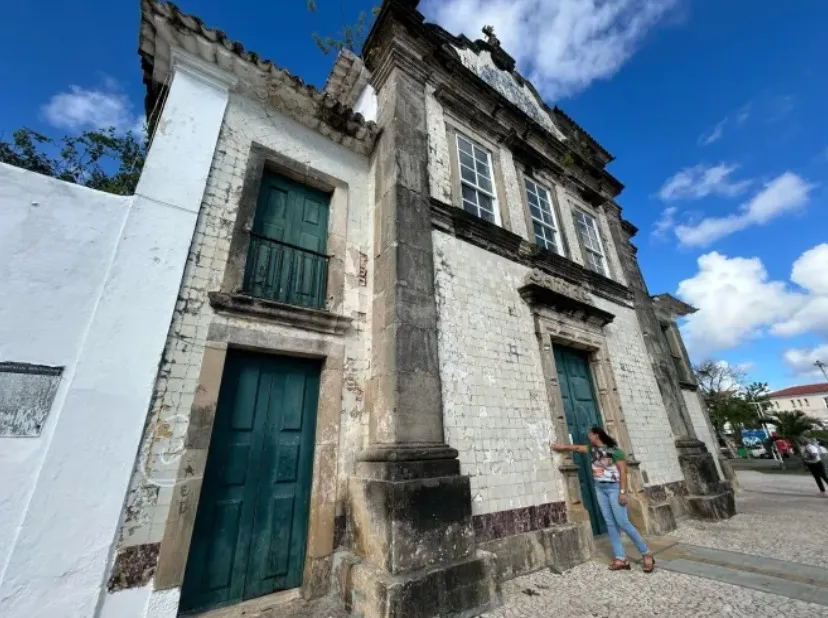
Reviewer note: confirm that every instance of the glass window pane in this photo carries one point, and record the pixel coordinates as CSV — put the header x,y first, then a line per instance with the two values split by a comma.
x,y
483,170
466,160
470,207
481,155
485,203
468,174
484,183
469,194
464,145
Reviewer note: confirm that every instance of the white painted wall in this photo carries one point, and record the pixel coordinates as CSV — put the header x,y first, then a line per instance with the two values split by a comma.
x,y
94,286
815,405
56,242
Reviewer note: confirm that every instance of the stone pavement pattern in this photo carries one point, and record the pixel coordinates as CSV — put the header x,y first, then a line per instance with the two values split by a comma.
x,y
781,516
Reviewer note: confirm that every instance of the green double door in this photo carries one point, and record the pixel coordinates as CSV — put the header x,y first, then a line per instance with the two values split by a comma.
x,y
581,410
251,526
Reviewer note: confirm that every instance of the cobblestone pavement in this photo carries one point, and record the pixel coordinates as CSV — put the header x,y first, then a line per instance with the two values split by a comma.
x,y
780,516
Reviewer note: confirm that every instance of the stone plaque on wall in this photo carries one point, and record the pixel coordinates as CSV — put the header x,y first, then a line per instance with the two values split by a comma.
x,y
26,396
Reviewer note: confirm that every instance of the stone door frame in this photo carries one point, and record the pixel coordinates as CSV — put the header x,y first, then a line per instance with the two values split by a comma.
x,y
585,333
175,546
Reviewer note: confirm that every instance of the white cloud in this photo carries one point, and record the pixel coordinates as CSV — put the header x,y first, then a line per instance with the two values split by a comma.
x,y
700,181
783,194
744,112
737,301
665,222
79,108
801,361
810,271
714,135
561,45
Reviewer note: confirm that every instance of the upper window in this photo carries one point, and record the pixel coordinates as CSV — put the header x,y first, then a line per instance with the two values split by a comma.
x,y
543,216
287,260
591,242
476,180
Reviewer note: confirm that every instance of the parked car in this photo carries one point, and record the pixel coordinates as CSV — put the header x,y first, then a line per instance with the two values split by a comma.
x,y
757,451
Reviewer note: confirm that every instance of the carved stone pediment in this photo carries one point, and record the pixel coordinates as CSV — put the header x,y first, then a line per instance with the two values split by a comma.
x,y
543,290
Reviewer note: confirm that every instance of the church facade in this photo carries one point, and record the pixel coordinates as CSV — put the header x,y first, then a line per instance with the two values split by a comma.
x,y
400,289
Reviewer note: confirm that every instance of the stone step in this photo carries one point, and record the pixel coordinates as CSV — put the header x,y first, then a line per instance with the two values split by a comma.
x,y
749,579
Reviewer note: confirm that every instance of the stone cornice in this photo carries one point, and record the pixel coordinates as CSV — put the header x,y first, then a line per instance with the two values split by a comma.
x,y
288,315
541,289
460,224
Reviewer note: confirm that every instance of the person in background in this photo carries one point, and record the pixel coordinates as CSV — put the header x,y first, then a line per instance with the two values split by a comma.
x,y
609,470
812,459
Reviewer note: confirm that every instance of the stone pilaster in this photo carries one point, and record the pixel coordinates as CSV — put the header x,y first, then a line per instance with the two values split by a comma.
x,y
708,497
409,506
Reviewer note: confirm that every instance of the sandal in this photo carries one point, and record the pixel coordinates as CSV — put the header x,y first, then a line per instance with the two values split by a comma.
x,y
649,568
620,565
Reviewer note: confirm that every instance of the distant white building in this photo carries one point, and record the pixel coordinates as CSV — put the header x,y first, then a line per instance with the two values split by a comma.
x,y
812,399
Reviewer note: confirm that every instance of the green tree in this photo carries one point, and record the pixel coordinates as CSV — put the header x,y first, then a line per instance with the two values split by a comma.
x,y
793,426
102,159
350,37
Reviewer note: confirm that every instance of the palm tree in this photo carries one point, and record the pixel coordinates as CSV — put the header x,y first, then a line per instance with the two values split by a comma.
x,y
793,425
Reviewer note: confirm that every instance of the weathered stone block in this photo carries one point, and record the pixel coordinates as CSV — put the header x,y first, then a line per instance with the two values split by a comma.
x,y
458,590
700,473
713,508
568,546
662,519
404,526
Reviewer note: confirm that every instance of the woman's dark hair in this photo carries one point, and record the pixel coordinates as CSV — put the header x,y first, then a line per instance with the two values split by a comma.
x,y
606,439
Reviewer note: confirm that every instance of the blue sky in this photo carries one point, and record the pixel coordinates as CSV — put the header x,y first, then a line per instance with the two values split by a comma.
x,y
715,112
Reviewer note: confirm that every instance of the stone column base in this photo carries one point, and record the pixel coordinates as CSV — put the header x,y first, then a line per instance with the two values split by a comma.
x,y
458,590
709,497
712,508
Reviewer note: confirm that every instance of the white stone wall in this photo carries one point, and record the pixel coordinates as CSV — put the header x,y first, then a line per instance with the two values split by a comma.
x,y
702,426
647,422
246,122
495,403
92,279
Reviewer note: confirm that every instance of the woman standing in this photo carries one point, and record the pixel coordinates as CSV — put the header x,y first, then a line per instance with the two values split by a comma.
x,y
609,471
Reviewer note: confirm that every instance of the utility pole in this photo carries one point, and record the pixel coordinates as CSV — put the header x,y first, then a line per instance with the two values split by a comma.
x,y
821,366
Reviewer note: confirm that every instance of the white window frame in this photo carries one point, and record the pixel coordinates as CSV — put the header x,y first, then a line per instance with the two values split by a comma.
x,y
475,186
553,227
590,221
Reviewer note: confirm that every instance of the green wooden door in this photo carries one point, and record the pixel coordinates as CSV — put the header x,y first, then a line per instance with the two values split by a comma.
x,y
251,527
287,260
581,410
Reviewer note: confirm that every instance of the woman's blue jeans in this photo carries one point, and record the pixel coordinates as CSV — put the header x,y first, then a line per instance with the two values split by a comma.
x,y
616,517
